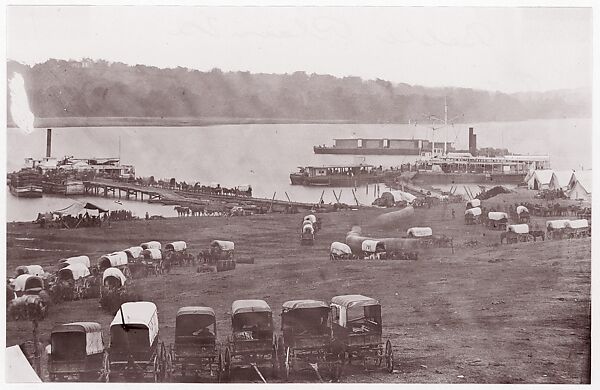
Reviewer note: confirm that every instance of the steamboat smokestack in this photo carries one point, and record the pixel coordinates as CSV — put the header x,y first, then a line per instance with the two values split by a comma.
x,y
48,142
472,142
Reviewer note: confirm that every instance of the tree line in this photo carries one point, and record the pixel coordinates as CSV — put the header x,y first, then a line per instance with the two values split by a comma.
x,y
97,88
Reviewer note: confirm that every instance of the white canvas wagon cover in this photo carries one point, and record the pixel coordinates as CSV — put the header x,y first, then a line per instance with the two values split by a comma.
x,y
577,224
224,245
151,245
152,254
134,251
115,273
308,228
349,301
306,222
303,304
249,306
35,270
77,270
522,228
199,310
419,231
21,281
115,259
557,224
475,211
77,260
497,215
93,335
339,248
176,246
138,313
370,245
522,209
310,218
473,203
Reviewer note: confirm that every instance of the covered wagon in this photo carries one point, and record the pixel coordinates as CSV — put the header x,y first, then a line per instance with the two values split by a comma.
x,y
31,301
117,260
252,342
76,352
133,252
523,215
152,261
339,251
556,229
305,339
112,293
85,260
473,216
373,249
35,270
151,245
73,282
497,220
473,203
314,220
135,348
175,253
356,322
419,232
26,284
516,233
577,228
196,351
307,236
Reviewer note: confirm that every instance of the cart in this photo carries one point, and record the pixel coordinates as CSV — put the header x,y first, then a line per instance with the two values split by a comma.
x,y
252,343
306,338
196,350
356,322
76,353
135,349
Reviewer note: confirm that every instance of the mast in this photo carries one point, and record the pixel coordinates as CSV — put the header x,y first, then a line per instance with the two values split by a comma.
x,y
446,125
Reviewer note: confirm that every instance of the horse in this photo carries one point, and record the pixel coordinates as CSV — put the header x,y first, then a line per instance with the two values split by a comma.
x,y
510,237
537,233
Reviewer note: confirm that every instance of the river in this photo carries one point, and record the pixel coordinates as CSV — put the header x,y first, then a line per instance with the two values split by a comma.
x,y
264,155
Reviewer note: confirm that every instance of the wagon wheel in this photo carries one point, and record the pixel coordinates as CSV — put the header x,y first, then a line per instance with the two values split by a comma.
x,y
287,363
389,357
156,369
529,238
220,368
105,372
275,359
168,365
227,365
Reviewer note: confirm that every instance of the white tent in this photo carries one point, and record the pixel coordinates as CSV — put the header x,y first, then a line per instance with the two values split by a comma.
x,y
580,185
18,369
560,180
540,179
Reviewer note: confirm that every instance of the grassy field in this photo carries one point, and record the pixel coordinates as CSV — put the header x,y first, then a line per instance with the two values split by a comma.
x,y
486,314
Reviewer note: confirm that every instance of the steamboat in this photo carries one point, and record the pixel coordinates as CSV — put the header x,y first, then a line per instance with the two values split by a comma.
x,y
431,162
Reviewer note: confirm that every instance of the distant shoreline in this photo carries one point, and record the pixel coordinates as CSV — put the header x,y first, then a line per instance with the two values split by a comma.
x,y
201,122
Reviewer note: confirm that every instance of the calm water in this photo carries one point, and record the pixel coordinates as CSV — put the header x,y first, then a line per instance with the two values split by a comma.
x,y
264,155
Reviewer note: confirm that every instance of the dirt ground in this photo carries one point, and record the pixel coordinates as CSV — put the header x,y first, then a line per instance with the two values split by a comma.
x,y
490,313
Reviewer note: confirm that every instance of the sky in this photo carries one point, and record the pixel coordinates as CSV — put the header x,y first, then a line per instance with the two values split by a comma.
x,y
498,49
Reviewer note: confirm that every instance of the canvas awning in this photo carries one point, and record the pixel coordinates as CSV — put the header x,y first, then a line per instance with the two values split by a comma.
x,y
77,207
